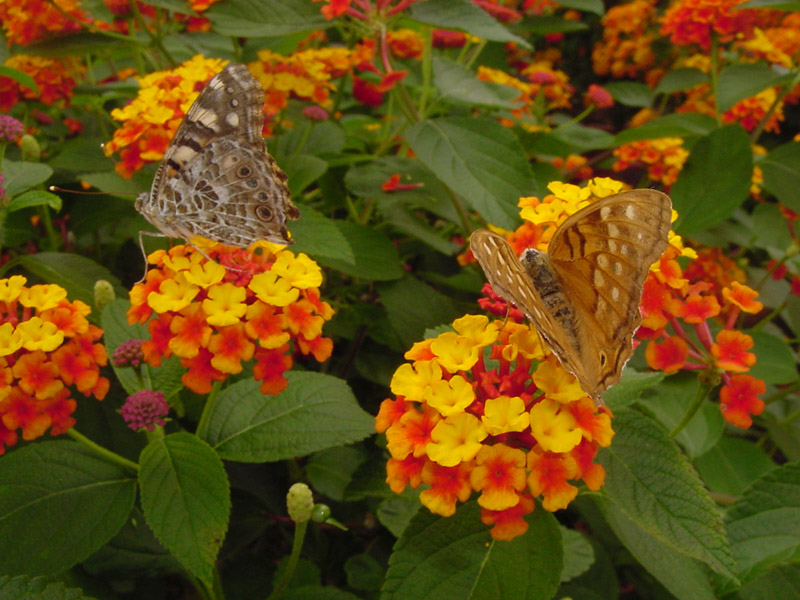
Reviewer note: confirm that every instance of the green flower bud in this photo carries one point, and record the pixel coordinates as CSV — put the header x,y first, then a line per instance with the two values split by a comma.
x,y
31,151
321,513
299,502
103,293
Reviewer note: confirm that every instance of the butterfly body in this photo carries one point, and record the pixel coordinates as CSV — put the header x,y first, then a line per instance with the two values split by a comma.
x,y
216,179
583,295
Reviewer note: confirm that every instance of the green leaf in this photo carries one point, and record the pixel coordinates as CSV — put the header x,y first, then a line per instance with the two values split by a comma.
x,y
74,154
407,221
458,84
59,503
738,82
630,387
782,582
669,402
302,170
20,77
375,255
781,169
683,577
21,176
396,512
578,554
428,193
462,15
134,551
37,588
111,183
770,228
364,573
414,306
316,592
178,6
479,159
455,557
165,379
655,487
776,360
76,274
313,413
681,79
593,6
547,24
35,198
320,237
186,500
773,4
682,125
714,181
732,465
264,18
630,93
764,523
583,138
330,472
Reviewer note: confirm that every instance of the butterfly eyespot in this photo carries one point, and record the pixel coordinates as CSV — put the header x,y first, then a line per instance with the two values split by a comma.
x,y
244,171
263,196
264,212
252,183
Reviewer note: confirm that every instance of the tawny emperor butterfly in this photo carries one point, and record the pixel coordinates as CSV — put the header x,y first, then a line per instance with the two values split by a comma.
x,y
583,295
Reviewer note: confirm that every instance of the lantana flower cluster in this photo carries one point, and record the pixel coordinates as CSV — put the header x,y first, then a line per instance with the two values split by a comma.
x,y
674,308
239,306
663,158
27,21
487,408
470,416
536,79
305,75
48,350
695,22
55,79
626,47
153,117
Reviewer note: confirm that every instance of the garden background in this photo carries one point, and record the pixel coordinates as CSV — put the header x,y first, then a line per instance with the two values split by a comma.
x,y
164,438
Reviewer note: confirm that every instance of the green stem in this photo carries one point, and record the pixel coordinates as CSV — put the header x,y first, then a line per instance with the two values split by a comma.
x,y
756,133
463,216
297,546
714,77
303,140
218,591
792,416
702,394
208,409
427,70
98,449
47,221
770,317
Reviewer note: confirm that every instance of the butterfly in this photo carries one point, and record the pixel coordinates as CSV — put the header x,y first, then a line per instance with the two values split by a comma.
x,y
216,179
583,295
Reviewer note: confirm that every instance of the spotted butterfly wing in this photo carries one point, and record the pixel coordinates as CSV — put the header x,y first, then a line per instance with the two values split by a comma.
x,y
583,295
216,179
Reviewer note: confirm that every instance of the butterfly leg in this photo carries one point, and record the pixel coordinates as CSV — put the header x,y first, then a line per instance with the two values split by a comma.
x,y
144,252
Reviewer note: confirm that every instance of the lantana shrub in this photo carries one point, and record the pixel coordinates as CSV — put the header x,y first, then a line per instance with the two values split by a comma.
x,y
175,418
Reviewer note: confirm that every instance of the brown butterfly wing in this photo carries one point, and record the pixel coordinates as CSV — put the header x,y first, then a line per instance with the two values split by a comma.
x,y
217,179
511,281
602,255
